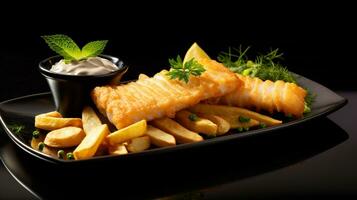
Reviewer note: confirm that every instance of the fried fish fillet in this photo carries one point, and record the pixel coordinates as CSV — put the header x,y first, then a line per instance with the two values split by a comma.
x,y
158,96
256,94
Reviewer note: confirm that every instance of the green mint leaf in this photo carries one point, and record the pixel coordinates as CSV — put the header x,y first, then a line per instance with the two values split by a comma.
x,y
93,48
63,45
66,47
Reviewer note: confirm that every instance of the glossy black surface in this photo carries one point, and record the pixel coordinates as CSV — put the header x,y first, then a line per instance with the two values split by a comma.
x,y
21,111
70,92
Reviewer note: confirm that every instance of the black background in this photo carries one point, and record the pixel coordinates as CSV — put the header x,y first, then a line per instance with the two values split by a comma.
x,y
318,41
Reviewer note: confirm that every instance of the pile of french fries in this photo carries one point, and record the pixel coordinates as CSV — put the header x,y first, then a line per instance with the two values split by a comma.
x,y
87,136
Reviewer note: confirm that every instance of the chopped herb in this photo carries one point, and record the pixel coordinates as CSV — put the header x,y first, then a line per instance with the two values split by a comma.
x,y
244,119
16,128
262,125
182,71
240,129
60,154
36,134
193,117
41,145
246,128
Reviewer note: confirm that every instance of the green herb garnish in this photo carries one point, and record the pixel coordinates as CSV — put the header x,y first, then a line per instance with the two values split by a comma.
x,y
36,134
244,119
16,128
66,47
265,67
309,99
20,130
182,71
193,117
240,129
262,125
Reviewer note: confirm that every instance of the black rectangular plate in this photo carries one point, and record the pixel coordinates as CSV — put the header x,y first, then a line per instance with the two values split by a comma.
x,y
23,109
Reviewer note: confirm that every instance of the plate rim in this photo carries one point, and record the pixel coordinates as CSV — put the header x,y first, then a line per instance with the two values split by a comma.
x,y
331,108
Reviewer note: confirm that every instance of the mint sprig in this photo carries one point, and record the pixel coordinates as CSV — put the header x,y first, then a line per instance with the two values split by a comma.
x,y
94,48
69,50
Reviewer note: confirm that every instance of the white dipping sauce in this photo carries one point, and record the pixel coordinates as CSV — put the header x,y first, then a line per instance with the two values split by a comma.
x,y
90,66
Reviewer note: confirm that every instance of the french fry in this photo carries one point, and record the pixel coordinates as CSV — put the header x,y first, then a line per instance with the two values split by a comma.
x,y
222,124
90,144
51,114
234,122
181,134
160,138
53,123
235,111
64,137
118,149
139,144
133,131
194,123
90,119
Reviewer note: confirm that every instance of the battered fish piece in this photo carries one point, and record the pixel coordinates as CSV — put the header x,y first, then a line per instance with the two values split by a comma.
x,y
159,96
256,94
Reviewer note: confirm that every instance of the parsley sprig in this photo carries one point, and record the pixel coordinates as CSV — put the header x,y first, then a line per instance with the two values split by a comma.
x,y
182,71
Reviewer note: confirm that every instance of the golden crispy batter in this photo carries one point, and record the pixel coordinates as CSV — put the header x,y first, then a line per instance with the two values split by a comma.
x,y
266,95
159,96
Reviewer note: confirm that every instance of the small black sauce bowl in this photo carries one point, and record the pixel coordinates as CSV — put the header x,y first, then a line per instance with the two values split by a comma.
x,y
72,92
